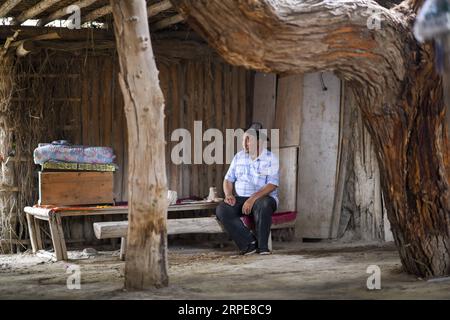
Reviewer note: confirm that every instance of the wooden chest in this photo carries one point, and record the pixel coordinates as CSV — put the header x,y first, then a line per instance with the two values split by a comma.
x,y
75,188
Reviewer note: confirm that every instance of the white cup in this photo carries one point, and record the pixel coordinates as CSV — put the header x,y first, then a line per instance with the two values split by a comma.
x,y
172,197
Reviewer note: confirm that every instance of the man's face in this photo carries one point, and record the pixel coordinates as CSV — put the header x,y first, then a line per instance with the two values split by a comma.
x,y
249,143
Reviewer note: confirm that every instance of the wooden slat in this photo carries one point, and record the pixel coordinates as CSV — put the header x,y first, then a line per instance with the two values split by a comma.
x,y
189,116
209,114
58,14
112,229
94,103
58,178
27,32
123,248
32,232
76,90
242,97
288,179
199,177
75,188
264,99
158,7
119,229
32,12
7,6
183,184
318,156
175,124
38,236
227,110
167,22
105,118
152,10
85,105
62,241
84,213
194,206
193,116
235,98
218,104
41,213
288,109
96,14
56,238
345,136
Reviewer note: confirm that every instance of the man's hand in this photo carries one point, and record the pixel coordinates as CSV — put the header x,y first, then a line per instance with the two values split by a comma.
x,y
248,205
230,199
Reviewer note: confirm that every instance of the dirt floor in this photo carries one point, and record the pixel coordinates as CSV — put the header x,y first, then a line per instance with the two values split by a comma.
x,y
323,270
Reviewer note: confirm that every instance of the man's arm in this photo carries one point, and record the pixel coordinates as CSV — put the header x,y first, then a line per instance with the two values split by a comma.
x,y
264,191
228,191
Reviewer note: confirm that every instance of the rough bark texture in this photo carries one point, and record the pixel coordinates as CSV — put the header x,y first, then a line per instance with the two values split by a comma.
x,y
362,213
396,88
146,261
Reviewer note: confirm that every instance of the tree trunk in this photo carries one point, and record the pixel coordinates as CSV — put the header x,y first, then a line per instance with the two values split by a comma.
x,y
146,260
396,87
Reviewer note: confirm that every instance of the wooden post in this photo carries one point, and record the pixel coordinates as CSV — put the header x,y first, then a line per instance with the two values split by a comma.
x,y
8,185
446,79
146,262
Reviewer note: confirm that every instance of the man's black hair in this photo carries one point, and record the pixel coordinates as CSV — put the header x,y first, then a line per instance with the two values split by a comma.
x,y
257,127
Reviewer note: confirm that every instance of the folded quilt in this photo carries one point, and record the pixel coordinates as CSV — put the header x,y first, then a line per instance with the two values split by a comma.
x,y
65,152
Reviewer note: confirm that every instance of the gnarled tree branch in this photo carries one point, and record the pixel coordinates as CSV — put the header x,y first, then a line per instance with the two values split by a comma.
x,y
397,90
286,37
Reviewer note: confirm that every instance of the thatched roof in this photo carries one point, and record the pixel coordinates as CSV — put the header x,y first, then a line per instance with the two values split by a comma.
x,y
161,13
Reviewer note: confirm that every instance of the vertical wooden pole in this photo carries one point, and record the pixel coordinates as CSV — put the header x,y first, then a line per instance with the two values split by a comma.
x,y
146,262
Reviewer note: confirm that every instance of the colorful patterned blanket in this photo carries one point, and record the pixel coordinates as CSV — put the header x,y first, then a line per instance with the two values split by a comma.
x,y
65,152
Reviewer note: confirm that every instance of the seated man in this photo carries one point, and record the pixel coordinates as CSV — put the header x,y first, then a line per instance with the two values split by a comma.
x,y
255,174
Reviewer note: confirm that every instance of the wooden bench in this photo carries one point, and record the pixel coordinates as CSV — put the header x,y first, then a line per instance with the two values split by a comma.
x,y
119,229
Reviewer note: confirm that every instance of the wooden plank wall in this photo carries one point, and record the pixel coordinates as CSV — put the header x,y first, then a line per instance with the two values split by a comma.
x,y
277,105
200,86
265,93
102,118
209,91
212,92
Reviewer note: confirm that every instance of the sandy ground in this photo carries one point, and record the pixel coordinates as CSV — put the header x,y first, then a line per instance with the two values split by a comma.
x,y
325,270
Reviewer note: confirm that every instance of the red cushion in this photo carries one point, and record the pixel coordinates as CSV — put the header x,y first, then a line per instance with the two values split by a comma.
x,y
277,218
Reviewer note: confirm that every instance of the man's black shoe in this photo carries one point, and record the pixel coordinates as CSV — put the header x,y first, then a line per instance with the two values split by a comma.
x,y
250,249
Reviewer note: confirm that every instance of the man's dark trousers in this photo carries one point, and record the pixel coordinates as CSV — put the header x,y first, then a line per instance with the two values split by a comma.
x,y
230,217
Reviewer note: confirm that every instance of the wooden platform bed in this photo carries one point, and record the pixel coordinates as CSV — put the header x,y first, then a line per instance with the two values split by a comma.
x,y
118,229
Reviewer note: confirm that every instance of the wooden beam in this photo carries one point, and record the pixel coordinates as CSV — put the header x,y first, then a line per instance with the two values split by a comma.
x,y
119,229
27,32
34,11
6,7
146,264
152,11
58,14
167,22
157,8
95,14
